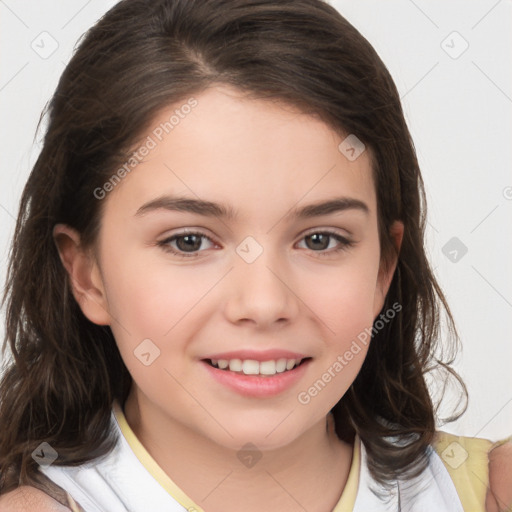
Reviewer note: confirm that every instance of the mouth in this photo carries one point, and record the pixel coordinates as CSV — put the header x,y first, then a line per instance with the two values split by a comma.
x,y
249,367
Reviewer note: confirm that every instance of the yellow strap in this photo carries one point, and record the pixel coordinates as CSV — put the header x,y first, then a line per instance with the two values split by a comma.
x,y
349,494
467,462
502,442
150,464
73,505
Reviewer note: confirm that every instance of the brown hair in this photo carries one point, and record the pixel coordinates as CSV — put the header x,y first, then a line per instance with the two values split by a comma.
x,y
141,56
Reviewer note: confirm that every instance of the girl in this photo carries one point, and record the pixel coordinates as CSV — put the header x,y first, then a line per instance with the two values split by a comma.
x,y
218,297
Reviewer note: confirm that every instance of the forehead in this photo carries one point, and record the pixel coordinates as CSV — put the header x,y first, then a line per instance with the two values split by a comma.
x,y
254,155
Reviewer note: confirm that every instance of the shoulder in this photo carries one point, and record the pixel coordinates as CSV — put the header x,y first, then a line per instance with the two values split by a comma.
x,y
27,499
463,456
499,496
480,470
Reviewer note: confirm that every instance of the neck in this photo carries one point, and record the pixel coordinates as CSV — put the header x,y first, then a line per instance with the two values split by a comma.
x,y
309,473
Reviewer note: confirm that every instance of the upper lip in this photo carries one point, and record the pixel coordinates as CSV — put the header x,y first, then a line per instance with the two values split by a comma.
x,y
257,355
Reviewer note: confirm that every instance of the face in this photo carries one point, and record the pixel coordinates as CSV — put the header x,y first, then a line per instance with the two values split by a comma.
x,y
246,239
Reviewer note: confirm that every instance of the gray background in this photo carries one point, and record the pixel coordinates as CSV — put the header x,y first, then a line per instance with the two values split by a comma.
x,y
451,63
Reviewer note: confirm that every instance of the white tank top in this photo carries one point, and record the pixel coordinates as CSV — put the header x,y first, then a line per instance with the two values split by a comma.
x,y
128,479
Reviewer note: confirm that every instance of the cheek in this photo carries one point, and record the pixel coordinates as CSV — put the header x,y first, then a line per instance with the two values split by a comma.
x,y
350,320
150,299
347,314
344,297
347,318
150,296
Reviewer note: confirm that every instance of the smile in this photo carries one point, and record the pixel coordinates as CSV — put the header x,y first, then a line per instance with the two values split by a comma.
x,y
253,367
257,379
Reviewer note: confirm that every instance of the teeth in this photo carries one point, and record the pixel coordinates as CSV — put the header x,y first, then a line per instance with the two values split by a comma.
x,y
252,367
281,365
267,368
235,365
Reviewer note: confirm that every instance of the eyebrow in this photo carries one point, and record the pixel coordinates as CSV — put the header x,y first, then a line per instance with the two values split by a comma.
x,y
211,209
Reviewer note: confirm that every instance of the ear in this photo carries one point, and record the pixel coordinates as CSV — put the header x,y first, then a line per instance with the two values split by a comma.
x,y
84,274
387,269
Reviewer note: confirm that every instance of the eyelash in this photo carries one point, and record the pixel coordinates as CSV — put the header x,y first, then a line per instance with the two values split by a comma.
x,y
345,243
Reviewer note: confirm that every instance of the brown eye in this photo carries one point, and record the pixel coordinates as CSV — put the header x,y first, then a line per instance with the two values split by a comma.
x,y
325,243
187,244
318,241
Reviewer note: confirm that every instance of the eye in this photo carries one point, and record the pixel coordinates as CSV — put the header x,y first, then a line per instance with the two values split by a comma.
x,y
188,244
191,244
326,242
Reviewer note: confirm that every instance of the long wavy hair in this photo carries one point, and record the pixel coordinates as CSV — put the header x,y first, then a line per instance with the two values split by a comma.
x,y
64,372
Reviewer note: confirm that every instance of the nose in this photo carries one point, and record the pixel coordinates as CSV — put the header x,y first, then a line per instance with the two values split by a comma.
x,y
260,293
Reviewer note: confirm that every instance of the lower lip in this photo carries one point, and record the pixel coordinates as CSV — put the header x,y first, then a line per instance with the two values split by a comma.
x,y
255,385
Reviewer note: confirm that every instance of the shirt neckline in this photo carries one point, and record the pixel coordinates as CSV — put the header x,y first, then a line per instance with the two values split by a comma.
x,y
346,501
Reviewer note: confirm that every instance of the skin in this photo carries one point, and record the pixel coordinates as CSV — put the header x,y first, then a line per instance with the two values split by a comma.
x,y
262,160
26,498
499,495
